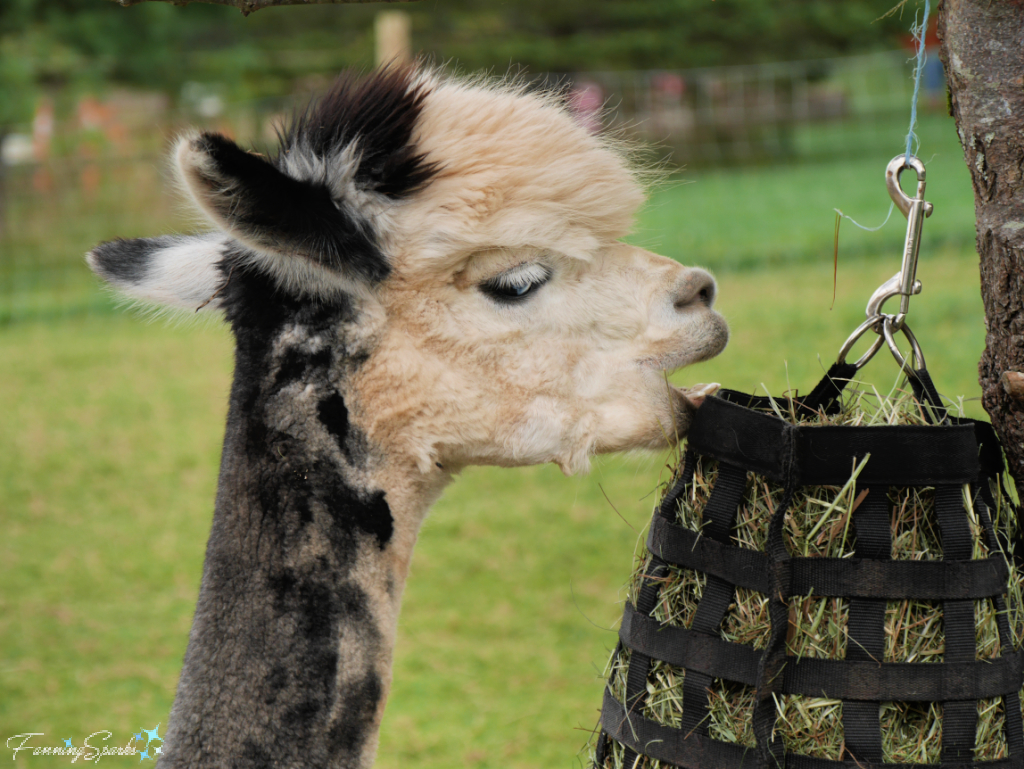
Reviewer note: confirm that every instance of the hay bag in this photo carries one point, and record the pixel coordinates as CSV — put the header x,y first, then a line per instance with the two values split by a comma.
x,y
827,582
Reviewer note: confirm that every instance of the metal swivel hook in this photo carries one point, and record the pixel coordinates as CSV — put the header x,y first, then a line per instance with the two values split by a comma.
x,y
915,209
904,283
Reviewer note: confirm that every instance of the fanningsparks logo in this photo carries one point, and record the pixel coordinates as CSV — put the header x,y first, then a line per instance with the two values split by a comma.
x,y
90,749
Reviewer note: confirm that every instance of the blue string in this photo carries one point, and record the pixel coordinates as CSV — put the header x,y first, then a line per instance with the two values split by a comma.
x,y
858,224
918,31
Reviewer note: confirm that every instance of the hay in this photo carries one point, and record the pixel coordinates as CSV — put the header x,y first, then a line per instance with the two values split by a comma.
x,y
818,525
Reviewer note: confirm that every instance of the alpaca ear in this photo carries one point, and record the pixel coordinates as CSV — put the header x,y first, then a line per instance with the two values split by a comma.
x,y
297,229
183,272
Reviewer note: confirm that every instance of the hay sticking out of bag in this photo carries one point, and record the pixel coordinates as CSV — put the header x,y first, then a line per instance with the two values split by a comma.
x,y
818,525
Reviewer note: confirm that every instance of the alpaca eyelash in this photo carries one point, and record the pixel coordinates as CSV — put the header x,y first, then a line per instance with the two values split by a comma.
x,y
516,284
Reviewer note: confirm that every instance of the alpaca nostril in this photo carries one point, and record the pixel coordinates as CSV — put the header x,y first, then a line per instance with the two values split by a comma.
x,y
697,286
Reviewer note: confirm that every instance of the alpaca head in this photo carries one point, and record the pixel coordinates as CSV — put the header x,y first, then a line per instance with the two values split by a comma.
x,y
458,244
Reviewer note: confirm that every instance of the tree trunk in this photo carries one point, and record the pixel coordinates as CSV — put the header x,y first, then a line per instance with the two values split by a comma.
x,y
983,53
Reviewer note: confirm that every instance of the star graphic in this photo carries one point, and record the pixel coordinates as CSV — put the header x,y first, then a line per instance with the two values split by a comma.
x,y
158,749
67,743
143,755
152,734
138,737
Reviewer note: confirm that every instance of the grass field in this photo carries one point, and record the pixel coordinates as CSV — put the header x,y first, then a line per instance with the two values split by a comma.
x,y
111,429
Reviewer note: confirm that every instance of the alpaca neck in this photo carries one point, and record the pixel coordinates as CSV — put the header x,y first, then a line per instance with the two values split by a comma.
x,y
289,658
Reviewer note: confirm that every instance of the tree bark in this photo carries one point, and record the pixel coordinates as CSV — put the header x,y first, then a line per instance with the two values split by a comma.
x,y
982,48
248,6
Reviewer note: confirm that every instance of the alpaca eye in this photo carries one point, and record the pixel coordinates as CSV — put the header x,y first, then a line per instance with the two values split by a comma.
x,y
516,284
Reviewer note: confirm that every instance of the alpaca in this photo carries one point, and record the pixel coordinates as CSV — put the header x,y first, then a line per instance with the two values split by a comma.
x,y
428,276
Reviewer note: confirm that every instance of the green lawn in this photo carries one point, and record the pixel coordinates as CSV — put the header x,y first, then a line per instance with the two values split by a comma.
x,y
753,218
111,429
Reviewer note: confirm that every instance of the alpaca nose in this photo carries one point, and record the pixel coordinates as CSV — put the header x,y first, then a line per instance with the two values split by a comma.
x,y
695,287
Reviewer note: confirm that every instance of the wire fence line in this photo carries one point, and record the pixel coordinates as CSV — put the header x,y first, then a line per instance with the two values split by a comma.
x,y
782,111
68,184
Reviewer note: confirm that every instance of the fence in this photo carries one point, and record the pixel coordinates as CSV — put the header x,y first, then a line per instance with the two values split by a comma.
x,y
103,174
770,112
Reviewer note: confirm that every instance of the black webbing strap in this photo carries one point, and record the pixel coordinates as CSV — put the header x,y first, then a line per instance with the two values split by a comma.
x,y
602,745
671,746
640,664
682,647
675,747
719,516
985,505
693,550
826,455
990,456
841,577
959,719
797,761
928,396
990,452
824,397
856,680
900,580
667,508
903,681
771,748
865,641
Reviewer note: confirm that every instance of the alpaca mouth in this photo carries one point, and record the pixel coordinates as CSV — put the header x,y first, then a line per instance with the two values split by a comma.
x,y
685,402
708,340
696,394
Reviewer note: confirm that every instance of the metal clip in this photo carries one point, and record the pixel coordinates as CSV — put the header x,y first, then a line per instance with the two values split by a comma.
x,y
889,289
904,283
915,209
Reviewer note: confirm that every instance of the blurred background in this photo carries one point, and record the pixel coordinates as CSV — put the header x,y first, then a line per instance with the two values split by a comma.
x,y
765,116
91,94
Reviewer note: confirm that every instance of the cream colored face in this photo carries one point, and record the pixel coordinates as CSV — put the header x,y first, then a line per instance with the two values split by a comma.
x,y
517,328
526,356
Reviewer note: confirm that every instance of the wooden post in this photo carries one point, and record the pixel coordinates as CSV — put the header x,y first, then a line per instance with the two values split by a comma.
x,y
393,37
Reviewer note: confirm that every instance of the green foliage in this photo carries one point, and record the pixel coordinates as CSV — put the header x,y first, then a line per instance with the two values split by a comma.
x,y
90,42
649,34
16,82
83,44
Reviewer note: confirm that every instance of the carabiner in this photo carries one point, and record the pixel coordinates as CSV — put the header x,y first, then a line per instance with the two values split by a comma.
x,y
889,332
889,289
915,209
863,328
904,283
